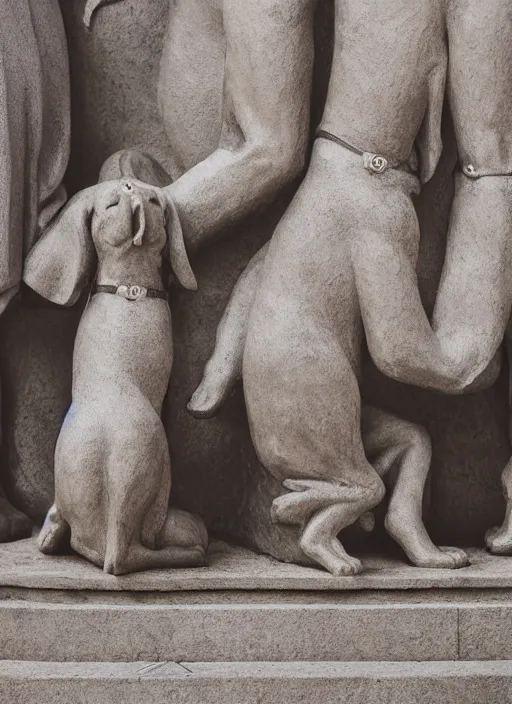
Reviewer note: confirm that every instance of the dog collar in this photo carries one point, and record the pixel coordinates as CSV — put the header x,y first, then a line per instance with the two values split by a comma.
x,y
374,163
131,292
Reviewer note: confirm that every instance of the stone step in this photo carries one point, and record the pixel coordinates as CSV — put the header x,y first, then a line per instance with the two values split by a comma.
x,y
252,683
367,627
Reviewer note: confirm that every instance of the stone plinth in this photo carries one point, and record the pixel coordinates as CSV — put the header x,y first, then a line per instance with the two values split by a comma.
x,y
236,568
248,629
273,683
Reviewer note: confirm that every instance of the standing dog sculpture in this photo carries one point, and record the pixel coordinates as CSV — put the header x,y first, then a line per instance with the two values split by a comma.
x,y
112,463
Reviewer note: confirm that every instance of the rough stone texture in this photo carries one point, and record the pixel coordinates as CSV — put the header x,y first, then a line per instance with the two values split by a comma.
x,y
36,348
34,147
235,568
34,631
484,632
34,129
251,683
114,73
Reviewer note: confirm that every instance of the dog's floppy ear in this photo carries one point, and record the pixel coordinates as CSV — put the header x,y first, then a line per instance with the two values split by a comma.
x,y
177,251
61,262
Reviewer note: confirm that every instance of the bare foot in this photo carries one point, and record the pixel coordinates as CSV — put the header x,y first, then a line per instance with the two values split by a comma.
x,y
14,525
459,556
320,545
499,540
215,387
410,533
55,534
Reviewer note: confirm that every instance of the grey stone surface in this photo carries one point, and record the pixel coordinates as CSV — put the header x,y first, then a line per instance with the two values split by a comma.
x,y
276,683
112,443
228,632
235,568
36,349
344,256
116,67
484,632
34,129
34,151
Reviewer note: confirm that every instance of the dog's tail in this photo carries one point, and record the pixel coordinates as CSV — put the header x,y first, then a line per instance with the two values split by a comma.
x,y
117,544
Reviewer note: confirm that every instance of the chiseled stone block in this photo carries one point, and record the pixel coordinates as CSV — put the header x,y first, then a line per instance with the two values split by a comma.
x,y
227,632
253,683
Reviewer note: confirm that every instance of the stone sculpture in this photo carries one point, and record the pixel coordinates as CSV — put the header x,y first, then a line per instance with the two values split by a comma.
x,y
499,539
112,465
262,146
300,365
399,451
251,136
34,149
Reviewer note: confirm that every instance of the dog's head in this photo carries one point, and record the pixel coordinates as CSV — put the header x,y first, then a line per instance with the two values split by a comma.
x,y
113,221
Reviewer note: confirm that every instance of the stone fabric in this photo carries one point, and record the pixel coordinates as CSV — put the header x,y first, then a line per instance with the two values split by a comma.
x,y
34,129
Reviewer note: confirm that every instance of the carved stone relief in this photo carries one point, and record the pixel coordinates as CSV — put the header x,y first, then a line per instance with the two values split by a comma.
x,y
34,150
232,118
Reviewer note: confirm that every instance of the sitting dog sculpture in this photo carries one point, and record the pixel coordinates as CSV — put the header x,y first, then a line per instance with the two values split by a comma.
x,y
112,463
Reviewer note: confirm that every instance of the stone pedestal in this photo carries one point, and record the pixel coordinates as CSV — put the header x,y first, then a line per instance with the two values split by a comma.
x,y
249,629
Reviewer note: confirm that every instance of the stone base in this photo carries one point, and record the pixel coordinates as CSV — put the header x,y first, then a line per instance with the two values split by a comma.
x,y
240,683
249,629
235,568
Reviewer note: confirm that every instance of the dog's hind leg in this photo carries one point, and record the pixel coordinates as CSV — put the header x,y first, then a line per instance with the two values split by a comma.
x,y
323,509
139,483
402,451
182,542
304,412
55,534
224,368
319,539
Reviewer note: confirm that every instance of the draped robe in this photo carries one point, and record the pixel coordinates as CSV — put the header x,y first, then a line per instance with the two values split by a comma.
x,y
34,129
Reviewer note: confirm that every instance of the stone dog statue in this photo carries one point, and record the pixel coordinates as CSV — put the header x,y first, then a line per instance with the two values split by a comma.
x,y
112,464
366,248
350,227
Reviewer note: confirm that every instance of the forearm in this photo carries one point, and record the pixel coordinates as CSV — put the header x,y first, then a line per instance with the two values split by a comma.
x,y
229,185
266,110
